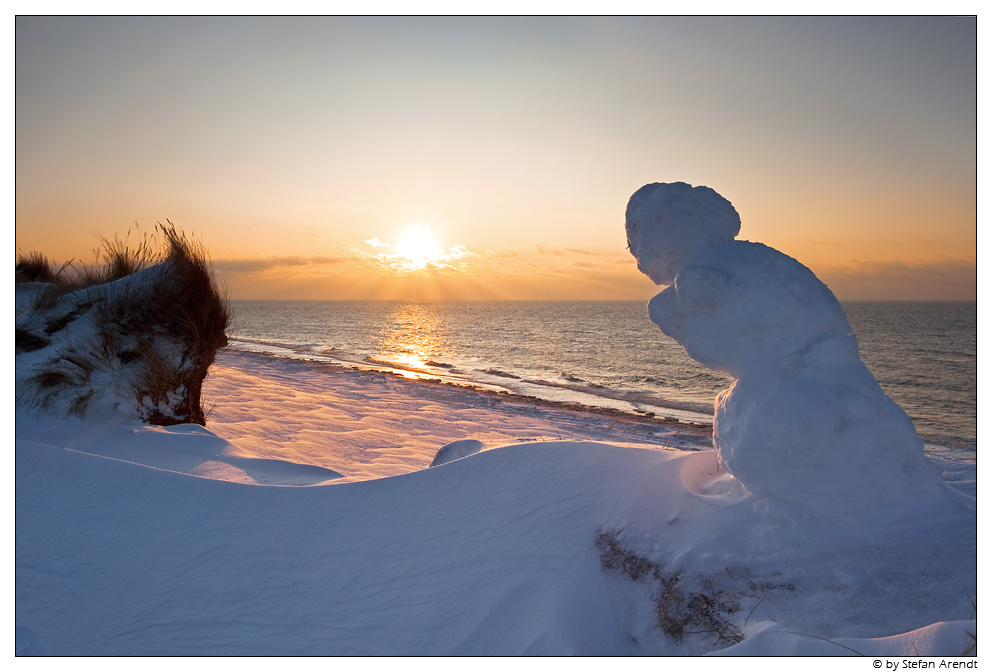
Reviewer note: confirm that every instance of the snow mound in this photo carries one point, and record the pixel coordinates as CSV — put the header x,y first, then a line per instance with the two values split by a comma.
x,y
456,450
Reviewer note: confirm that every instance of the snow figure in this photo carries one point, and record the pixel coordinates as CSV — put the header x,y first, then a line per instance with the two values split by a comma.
x,y
805,421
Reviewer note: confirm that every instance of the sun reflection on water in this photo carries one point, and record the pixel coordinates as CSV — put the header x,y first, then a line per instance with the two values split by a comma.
x,y
414,338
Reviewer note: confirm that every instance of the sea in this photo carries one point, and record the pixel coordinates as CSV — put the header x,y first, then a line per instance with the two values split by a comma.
x,y
608,354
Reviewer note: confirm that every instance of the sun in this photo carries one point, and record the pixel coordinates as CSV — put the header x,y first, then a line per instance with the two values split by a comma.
x,y
419,245
416,249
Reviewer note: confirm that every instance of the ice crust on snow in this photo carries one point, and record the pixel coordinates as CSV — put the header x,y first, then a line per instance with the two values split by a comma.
x,y
805,421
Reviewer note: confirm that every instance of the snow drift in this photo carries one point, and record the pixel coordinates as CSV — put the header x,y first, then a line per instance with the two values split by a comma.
x,y
494,554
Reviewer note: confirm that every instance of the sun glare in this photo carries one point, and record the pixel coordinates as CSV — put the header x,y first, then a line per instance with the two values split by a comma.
x,y
419,246
415,250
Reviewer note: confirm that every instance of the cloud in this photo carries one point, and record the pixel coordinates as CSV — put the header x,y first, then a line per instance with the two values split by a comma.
x,y
408,258
567,252
400,262
497,253
943,279
265,263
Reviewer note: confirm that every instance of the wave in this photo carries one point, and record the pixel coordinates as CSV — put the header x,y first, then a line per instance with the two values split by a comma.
x,y
500,373
577,392
636,398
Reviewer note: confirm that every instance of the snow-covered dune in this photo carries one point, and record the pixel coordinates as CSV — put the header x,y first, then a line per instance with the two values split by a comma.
x,y
494,553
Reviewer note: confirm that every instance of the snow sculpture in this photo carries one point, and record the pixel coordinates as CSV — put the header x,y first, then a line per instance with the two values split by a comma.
x,y
805,420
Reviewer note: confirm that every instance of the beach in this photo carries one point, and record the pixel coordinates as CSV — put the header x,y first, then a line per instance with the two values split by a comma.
x,y
368,424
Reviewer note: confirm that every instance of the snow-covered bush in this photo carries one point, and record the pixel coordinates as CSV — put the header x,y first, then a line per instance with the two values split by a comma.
x,y
134,338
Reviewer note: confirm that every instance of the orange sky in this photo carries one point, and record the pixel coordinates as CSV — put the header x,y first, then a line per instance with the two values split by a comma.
x,y
512,144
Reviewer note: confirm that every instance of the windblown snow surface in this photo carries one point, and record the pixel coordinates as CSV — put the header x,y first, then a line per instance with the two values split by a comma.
x,y
133,539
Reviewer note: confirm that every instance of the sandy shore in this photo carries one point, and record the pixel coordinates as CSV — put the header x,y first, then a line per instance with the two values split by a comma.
x,y
367,425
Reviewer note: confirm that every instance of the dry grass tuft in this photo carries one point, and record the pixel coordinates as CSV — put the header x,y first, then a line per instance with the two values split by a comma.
x,y
708,604
160,334
123,260
613,555
55,381
34,267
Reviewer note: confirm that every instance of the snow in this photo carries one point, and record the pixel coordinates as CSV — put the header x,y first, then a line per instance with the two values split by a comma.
x,y
368,425
805,421
772,639
134,539
668,223
456,450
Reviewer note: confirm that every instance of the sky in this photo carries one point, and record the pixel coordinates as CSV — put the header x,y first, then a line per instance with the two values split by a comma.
x,y
492,158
